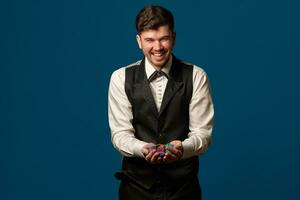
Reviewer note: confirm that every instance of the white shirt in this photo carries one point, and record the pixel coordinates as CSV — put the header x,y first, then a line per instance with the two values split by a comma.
x,y
201,112
158,86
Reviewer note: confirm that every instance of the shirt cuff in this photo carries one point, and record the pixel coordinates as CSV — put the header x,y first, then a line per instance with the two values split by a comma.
x,y
188,149
137,148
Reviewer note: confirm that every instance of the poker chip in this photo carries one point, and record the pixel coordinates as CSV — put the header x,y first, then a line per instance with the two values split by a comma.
x,y
162,149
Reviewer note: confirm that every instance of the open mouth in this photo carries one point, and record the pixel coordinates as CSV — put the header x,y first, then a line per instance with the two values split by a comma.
x,y
159,55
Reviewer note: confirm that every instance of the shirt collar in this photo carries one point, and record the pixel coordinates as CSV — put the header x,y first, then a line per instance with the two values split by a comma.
x,y
150,69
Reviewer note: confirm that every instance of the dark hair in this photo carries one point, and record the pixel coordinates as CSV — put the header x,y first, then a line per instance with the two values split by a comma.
x,y
152,17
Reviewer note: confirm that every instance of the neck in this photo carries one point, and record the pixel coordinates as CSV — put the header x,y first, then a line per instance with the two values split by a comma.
x,y
158,68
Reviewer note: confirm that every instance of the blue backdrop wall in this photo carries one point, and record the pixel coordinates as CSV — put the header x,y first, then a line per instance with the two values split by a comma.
x,y
56,61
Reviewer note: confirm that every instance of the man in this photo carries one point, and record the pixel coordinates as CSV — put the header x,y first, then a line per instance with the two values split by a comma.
x,y
160,115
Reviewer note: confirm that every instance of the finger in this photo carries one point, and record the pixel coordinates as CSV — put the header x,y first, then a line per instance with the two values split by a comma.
x,y
149,156
173,156
145,152
173,150
155,157
159,159
169,156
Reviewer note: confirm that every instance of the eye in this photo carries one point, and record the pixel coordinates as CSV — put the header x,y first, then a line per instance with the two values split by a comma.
x,y
165,39
149,40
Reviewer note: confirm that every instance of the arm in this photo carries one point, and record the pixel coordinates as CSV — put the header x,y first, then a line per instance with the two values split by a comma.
x,y
201,116
120,118
120,122
201,121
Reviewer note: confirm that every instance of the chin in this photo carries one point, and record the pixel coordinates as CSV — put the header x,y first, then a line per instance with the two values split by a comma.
x,y
160,64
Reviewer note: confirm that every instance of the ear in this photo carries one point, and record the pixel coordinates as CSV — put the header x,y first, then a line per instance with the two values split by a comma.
x,y
174,38
139,40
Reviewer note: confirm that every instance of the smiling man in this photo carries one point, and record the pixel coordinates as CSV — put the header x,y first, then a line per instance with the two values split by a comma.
x,y
160,115
157,45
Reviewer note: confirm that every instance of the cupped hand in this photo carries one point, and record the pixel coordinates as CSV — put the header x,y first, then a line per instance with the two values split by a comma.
x,y
176,152
151,155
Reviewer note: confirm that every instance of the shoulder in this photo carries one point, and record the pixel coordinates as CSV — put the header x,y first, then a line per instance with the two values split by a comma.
x,y
199,76
119,74
197,70
189,66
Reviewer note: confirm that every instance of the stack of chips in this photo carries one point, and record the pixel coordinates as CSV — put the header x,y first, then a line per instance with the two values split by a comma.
x,y
166,148
162,149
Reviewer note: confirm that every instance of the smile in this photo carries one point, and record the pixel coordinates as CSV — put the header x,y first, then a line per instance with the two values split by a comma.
x,y
158,54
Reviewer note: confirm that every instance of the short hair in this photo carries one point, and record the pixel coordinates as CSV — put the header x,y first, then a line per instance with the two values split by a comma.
x,y
152,17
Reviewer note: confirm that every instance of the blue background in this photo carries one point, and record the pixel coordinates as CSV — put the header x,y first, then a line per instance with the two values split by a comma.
x,y
56,61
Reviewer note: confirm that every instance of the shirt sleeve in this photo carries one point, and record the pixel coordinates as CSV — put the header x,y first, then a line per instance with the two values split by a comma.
x,y
201,116
120,118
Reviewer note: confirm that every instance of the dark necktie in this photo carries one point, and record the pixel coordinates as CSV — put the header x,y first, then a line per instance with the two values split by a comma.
x,y
157,74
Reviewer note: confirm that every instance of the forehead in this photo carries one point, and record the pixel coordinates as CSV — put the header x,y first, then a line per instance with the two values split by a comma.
x,y
160,32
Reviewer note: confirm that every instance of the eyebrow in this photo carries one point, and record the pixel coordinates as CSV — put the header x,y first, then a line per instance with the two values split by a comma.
x,y
163,37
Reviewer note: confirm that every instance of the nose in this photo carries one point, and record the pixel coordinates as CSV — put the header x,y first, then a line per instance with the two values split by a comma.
x,y
157,46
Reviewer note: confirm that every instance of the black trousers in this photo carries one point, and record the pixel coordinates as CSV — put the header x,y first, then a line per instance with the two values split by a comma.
x,y
189,190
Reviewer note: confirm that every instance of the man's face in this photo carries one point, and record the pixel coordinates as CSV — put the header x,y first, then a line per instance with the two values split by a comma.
x,y
157,45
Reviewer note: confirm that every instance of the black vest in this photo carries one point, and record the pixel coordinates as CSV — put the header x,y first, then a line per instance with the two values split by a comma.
x,y
170,123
